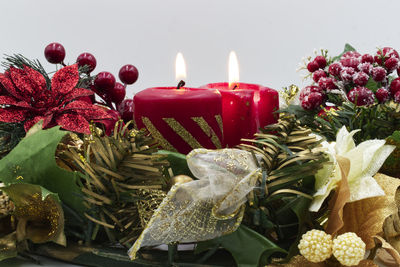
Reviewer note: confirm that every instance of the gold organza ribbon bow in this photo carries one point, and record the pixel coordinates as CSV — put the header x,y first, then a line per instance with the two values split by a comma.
x,y
206,208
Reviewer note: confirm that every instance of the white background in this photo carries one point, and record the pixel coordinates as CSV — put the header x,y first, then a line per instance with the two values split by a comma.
x,y
269,36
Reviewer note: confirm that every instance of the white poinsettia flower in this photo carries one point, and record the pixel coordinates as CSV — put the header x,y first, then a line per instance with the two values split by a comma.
x,y
365,161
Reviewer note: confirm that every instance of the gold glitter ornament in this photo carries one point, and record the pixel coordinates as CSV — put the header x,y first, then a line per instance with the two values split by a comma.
x,y
348,249
38,212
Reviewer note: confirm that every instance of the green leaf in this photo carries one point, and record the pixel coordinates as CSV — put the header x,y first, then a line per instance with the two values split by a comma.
x,y
246,246
372,85
32,161
300,208
347,48
178,162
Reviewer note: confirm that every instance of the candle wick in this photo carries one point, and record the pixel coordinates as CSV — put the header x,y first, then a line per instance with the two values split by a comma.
x,y
180,84
235,87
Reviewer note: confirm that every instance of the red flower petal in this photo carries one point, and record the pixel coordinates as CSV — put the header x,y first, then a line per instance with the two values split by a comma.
x,y
65,79
9,100
78,104
37,80
47,121
12,114
9,86
77,92
22,82
74,123
28,124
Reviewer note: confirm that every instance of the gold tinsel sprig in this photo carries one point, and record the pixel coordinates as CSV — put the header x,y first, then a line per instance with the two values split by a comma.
x,y
124,180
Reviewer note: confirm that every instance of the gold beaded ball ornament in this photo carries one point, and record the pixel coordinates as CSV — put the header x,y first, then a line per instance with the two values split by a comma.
x,y
316,246
348,249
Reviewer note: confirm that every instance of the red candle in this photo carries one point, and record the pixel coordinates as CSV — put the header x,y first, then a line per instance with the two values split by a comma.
x,y
261,103
180,119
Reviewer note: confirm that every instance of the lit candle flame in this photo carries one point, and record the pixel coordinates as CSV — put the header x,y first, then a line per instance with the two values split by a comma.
x,y
180,67
233,70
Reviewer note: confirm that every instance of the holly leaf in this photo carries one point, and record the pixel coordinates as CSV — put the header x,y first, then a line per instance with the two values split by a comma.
x,y
33,161
246,246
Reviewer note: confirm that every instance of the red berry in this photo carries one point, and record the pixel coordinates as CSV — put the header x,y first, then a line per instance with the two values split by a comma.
x,y
353,54
361,96
335,68
382,95
312,101
397,97
128,74
395,86
125,108
318,75
310,89
367,58
378,74
104,81
350,62
391,64
312,66
327,84
398,71
360,78
365,67
54,53
347,74
118,93
321,61
384,54
87,59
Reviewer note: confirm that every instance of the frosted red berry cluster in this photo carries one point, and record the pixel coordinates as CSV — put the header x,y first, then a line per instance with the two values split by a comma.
x,y
362,79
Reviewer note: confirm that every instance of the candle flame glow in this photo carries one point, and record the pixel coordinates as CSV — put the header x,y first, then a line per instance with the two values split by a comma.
x,y
233,70
180,67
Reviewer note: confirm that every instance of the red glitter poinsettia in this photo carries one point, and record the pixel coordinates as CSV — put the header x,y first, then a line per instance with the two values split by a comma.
x,y
27,99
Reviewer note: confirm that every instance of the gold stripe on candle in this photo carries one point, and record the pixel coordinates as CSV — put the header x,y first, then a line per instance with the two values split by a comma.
x,y
157,135
218,118
208,130
183,133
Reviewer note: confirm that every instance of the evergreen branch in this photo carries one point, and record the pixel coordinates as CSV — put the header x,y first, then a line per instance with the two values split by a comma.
x,y
19,61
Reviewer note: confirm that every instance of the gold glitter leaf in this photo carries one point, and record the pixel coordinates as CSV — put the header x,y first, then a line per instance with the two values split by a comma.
x,y
366,217
38,212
